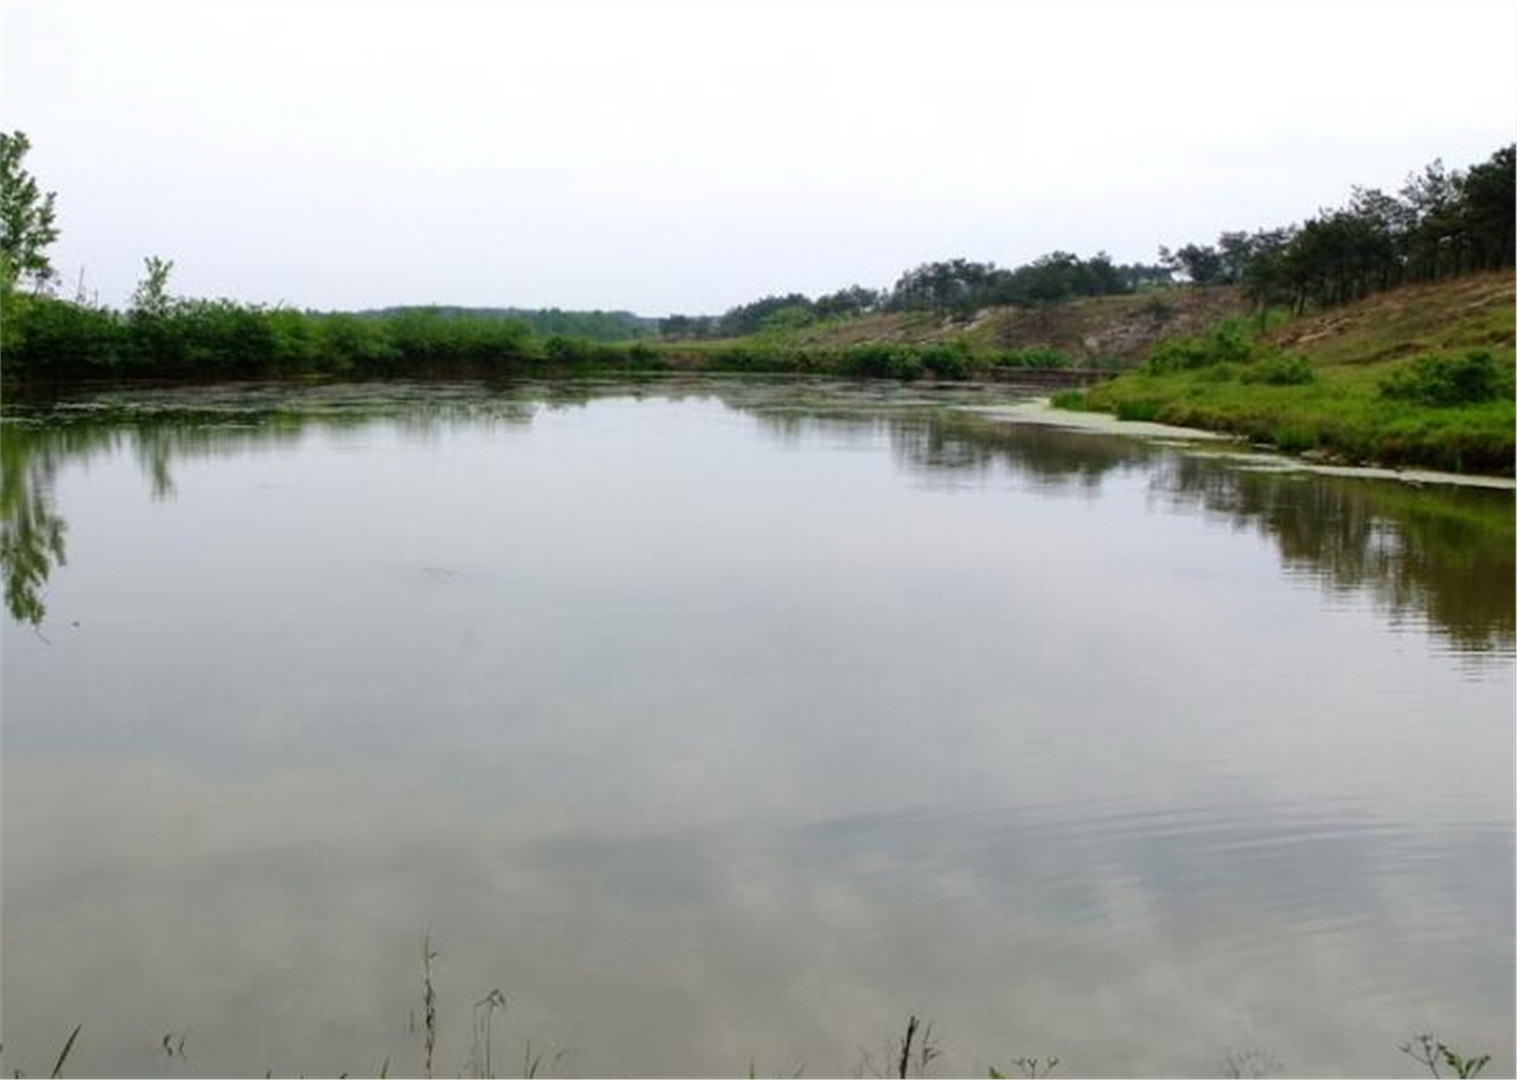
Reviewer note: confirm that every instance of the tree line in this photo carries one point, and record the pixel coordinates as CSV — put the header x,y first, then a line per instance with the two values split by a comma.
x,y
1441,224
952,287
165,335
606,326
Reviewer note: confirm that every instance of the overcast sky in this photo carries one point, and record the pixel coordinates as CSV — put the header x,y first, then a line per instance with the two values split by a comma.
x,y
684,157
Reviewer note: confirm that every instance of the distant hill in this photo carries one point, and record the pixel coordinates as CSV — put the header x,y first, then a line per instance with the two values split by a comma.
x,y
606,326
1096,331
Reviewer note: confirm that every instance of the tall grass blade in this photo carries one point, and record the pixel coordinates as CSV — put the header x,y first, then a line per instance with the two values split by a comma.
x,y
58,1068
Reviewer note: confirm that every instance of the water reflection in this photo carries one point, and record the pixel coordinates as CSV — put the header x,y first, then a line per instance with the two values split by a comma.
x,y
1128,949
736,723
161,429
1442,556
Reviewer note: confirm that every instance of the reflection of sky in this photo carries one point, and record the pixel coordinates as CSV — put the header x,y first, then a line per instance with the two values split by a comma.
x,y
673,733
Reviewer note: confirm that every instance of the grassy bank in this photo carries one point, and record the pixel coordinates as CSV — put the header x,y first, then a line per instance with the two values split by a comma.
x,y
1416,377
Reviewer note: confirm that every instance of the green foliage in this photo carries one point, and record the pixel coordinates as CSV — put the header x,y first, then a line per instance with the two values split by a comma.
x,y
687,327
1464,1067
1137,410
349,343
294,341
1220,373
1341,412
959,287
752,359
79,337
1282,369
431,336
152,294
751,318
885,361
790,317
1178,354
570,352
1430,1051
28,219
1445,380
854,300
166,336
953,361
641,355
1230,342
1293,438
1441,224
602,326
1203,265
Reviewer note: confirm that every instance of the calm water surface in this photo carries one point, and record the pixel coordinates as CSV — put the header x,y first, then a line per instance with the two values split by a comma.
x,y
726,723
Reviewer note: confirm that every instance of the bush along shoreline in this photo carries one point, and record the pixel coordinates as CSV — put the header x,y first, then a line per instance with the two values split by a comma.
x,y
47,341
1449,408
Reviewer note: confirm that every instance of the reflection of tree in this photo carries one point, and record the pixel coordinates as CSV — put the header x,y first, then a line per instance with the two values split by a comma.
x,y
31,532
1046,456
162,428
1444,553
936,441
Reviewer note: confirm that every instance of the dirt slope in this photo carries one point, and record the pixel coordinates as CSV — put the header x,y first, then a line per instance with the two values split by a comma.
x,y
1105,331
1475,312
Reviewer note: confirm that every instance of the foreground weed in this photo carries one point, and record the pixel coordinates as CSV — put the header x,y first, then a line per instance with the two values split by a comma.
x,y
916,1048
484,1014
531,1064
63,1056
1031,1067
1429,1050
1249,1065
428,1000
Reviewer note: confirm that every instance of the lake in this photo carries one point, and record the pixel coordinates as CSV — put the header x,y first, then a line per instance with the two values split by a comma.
x,y
723,725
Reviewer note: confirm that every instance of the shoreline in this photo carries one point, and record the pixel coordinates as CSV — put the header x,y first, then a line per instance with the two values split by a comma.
x,y
1042,411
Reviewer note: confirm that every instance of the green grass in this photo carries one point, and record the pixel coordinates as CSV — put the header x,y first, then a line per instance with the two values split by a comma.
x,y
1341,415
1350,388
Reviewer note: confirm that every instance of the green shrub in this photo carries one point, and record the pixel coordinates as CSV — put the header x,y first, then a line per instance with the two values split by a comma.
x,y
350,343
1291,439
563,350
1177,354
43,334
948,361
640,355
750,358
1230,342
883,361
1137,410
1283,369
1445,380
